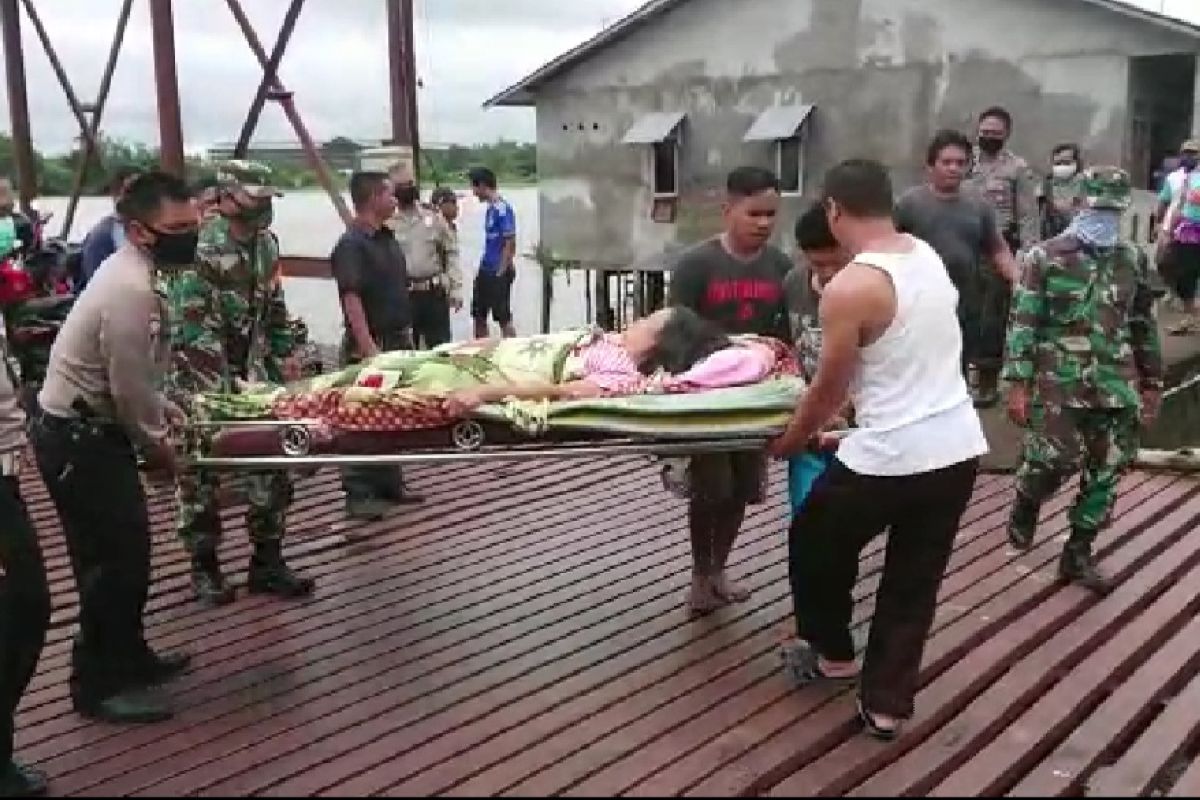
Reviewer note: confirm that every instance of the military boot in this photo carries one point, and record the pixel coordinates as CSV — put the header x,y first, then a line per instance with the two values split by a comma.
x,y
269,574
1022,524
1078,566
208,584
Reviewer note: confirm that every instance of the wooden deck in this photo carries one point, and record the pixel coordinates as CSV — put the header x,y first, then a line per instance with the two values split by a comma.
x,y
523,633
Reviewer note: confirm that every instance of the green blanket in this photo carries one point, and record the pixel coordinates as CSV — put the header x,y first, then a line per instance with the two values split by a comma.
x,y
740,411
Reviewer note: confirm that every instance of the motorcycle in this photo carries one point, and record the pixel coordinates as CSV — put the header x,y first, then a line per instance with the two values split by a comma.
x,y
35,298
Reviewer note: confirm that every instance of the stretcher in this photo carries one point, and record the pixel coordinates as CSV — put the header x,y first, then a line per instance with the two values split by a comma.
x,y
390,411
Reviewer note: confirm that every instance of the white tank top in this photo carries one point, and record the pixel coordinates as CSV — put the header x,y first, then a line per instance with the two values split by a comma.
x,y
911,401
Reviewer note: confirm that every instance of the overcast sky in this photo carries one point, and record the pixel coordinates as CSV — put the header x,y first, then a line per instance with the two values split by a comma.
x,y
467,51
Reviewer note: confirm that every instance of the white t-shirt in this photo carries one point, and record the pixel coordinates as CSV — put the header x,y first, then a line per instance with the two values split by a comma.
x,y
911,402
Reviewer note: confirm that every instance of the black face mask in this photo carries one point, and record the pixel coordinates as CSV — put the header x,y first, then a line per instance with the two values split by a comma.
x,y
991,144
407,195
174,249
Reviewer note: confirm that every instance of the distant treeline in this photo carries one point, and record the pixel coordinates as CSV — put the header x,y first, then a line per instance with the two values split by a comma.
x,y
511,161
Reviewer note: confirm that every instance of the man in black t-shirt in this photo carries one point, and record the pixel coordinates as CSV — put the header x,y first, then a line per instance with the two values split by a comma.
x,y
372,279
735,280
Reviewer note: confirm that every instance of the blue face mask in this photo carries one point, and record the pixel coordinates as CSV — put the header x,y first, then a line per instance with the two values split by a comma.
x,y
1189,162
1096,227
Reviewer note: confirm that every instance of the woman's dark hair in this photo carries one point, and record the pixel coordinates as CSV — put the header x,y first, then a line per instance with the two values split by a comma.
x,y
947,138
685,340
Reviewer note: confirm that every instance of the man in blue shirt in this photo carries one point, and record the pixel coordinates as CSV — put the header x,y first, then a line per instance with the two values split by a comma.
x,y
497,268
109,233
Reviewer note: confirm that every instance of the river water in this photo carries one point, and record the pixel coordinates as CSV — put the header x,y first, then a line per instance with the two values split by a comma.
x,y
307,225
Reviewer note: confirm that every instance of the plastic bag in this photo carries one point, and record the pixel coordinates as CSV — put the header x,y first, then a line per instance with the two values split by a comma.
x,y
803,471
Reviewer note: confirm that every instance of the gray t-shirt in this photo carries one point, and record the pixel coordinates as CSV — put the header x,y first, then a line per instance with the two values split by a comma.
x,y
962,229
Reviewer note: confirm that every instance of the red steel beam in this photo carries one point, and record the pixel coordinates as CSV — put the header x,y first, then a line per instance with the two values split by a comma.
x,y
402,76
269,75
166,82
18,103
284,98
97,112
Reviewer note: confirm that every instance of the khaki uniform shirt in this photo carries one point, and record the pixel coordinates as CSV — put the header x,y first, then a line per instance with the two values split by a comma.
x,y
113,350
430,249
1009,185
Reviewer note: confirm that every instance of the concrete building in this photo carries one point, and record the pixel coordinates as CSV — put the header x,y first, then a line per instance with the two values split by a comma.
x,y
638,127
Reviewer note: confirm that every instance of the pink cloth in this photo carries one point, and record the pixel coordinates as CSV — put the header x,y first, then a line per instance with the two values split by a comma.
x,y
733,366
607,364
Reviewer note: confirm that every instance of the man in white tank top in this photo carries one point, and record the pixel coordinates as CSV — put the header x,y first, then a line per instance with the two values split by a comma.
x,y
892,346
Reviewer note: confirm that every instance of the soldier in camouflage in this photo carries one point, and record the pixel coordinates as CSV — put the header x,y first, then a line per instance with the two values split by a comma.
x,y
1085,366
1008,183
229,325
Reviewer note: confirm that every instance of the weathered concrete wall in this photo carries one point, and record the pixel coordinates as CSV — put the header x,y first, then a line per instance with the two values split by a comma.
x,y
885,74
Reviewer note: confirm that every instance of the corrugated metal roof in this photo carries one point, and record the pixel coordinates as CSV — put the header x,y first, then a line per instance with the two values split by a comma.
x,y
522,93
655,127
780,122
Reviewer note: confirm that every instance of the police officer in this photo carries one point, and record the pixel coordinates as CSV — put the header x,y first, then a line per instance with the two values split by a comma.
x,y
99,401
24,592
1085,365
1008,183
230,325
431,258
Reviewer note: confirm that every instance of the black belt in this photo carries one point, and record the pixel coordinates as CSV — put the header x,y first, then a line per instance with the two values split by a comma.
x,y
73,425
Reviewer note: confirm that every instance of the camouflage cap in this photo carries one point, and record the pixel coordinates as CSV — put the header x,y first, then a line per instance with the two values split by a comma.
x,y
1107,187
1190,146
250,176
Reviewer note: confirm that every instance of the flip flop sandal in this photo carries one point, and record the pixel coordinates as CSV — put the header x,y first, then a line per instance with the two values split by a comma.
x,y
872,726
803,666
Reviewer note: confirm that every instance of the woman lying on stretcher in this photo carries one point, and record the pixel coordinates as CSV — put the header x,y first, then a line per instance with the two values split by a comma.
x,y
687,351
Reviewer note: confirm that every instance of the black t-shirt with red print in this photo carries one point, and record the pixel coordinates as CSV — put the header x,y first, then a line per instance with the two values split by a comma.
x,y
742,296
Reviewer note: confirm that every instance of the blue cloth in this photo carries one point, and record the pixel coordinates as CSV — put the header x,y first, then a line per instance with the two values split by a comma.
x,y
1098,227
499,225
803,471
100,243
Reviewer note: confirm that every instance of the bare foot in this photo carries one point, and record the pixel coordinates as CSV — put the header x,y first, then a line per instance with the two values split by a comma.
x,y
702,599
727,590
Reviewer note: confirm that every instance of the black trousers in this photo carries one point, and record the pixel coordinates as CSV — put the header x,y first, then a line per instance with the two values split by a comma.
x,y
24,608
843,513
431,318
993,323
92,476
378,483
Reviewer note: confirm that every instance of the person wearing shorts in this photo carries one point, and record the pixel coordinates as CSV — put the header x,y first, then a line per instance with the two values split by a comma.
x,y
736,281
492,294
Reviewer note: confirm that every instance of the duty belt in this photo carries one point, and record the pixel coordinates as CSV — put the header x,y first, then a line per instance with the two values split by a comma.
x,y
425,284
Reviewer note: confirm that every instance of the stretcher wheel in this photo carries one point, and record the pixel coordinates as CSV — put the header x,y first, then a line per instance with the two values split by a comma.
x,y
296,441
467,435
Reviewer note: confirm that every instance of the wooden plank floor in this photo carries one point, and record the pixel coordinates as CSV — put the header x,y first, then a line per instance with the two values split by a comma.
x,y
523,633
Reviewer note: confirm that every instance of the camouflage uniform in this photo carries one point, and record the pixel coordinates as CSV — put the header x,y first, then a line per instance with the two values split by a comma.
x,y
1008,183
230,324
1084,343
